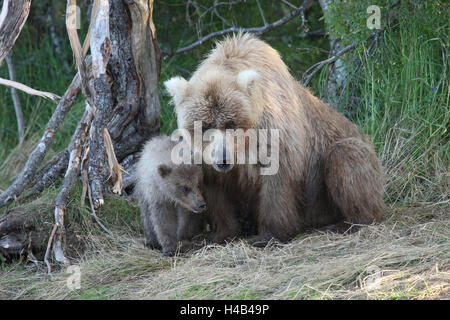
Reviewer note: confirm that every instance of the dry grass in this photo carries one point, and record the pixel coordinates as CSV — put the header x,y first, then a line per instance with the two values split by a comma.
x,y
416,171
405,257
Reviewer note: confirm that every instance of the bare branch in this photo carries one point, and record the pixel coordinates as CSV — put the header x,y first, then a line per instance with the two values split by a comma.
x,y
73,170
258,30
84,175
129,169
261,13
77,50
114,168
319,65
216,12
16,100
99,222
16,85
48,174
289,4
49,246
312,34
307,75
87,40
36,157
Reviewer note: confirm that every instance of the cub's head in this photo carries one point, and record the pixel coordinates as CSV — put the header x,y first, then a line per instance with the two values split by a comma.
x,y
182,184
221,101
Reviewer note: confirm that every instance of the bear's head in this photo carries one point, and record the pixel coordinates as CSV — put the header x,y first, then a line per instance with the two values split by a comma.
x,y
223,104
182,184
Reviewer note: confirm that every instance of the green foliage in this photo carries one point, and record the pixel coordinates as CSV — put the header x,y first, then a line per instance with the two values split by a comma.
x,y
399,93
347,20
43,60
95,294
117,212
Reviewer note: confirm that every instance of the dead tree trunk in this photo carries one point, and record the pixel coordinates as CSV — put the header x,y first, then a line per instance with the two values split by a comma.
x,y
16,100
338,72
120,84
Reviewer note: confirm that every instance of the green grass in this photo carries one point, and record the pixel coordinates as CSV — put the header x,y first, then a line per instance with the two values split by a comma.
x,y
399,95
95,294
40,66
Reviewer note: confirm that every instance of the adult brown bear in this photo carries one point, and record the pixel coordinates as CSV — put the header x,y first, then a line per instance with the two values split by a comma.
x,y
328,171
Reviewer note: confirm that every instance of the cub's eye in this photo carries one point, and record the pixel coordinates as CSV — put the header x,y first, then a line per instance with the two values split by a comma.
x,y
230,125
186,189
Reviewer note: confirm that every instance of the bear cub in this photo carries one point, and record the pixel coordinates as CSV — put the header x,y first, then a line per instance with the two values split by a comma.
x,y
169,196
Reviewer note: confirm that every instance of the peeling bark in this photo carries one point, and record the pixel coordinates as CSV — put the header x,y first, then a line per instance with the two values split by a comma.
x,y
73,170
147,58
12,19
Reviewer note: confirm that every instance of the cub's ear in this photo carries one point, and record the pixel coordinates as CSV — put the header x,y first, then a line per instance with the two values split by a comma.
x,y
164,170
246,79
177,87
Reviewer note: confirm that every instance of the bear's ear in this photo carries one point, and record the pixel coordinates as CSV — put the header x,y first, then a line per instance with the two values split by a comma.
x,y
246,79
164,170
177,88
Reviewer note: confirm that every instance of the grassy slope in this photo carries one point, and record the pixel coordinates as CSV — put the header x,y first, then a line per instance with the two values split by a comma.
x,y
403,103
405,257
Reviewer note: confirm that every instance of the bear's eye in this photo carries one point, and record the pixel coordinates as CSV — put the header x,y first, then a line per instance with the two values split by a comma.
x,y
186,189
230,125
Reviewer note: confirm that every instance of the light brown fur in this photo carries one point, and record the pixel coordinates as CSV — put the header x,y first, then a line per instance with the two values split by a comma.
x,y
328,170
168,194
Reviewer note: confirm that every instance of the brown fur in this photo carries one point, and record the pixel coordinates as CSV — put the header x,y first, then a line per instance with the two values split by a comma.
x,y
328,170
167,196
228,215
